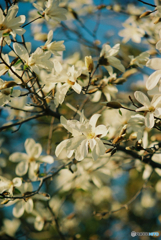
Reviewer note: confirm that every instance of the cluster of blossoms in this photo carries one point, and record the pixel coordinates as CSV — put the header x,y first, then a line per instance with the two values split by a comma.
x,y
85,136
45,82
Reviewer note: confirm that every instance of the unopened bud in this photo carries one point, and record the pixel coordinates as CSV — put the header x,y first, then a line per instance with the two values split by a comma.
x,y
157,20
115,105
7,85
89,63
120,80
145,14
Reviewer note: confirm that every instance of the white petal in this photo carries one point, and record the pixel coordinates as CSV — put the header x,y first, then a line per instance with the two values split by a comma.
x,y
33,149
29,205
153,80
154,63
149,120
18,209
82,151
47,159
39,223
17,157
75,142
94,119
61,146
142,98
22,168
101,130
17,182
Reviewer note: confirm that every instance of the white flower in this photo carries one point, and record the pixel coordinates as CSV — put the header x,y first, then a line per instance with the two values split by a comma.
x,y
140,60
30,161
11,226
150,108
85,135
53,47
70,81
10,24
8,185
52,11
38,60
107,57
132,32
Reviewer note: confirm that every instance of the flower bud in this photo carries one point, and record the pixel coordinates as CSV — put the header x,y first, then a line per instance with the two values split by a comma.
x,y
89,63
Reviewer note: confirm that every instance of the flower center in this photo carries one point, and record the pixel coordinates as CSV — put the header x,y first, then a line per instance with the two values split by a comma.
x,y
31,159
70,82
151,109
91,135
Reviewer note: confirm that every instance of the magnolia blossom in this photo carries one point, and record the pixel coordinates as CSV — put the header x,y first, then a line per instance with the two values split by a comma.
x,y
30,161
10,24
140,60
38,60
8,185
107,57
69,80
85,135
151,109
132,32
53,47
52,11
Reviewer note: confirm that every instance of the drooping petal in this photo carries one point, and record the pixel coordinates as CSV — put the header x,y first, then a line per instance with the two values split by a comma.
x,y
82,151
149,120
61,146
